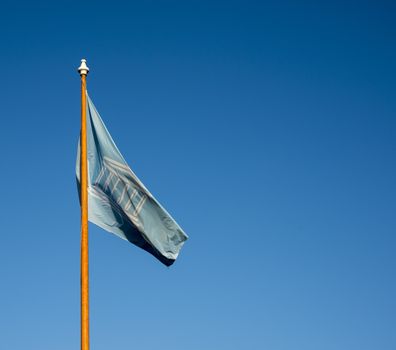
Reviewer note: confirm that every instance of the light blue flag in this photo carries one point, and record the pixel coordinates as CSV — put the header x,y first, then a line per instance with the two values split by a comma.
x,y
119,202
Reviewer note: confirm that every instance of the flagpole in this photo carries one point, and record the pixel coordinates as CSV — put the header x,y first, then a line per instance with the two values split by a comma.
x,y
84,272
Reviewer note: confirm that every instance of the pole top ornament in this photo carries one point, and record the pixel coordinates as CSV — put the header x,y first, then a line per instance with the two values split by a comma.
x,y
83,69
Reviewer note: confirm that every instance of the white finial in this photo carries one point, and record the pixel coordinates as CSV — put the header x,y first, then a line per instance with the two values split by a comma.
x,y
83,69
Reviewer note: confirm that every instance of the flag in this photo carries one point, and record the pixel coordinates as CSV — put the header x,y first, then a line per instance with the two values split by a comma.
x,y
118,201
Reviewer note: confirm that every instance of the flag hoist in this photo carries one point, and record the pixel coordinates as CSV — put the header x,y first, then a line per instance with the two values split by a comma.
x,y
114,198
84,275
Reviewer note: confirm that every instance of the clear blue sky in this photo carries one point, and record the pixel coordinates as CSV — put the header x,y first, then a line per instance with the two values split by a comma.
x,y
267,129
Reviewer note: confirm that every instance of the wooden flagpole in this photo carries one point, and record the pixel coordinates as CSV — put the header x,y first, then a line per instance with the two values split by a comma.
x,y
83,70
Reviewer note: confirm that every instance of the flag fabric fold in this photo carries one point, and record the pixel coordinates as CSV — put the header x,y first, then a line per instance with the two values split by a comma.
x,y
119,202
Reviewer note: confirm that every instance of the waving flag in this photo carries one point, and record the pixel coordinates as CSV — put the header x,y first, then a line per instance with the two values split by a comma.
x,y
119,202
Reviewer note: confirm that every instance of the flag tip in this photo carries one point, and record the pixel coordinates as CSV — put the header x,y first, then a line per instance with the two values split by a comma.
x,y
83,69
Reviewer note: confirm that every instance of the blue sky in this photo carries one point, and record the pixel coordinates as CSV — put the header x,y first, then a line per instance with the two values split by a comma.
x,y
267,129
